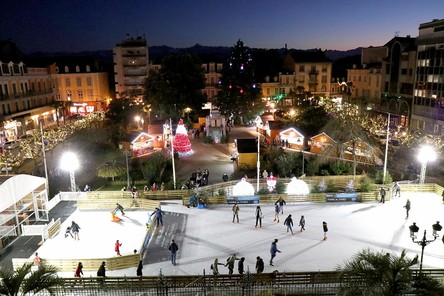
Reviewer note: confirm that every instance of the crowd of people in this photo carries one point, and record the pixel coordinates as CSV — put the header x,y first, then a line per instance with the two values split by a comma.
x,y
197,179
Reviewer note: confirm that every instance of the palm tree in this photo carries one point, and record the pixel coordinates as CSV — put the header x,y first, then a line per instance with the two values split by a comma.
x,y
378,273
24,281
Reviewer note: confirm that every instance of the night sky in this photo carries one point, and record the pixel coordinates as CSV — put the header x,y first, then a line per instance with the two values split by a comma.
x,y
78,25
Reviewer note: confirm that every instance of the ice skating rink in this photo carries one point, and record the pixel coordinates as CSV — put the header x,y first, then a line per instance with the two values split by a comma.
x,y
210,233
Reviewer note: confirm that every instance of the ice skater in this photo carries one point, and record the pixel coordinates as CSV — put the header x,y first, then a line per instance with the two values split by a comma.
x,y
259,265
289,223
235,211
273,251
75,228
396,190
258,215
230,263
119,208
276,213
240,265
325,228
117,247
214,267
281,202
68,232
407,208
382,193
159,216
302,223
79,270
173,250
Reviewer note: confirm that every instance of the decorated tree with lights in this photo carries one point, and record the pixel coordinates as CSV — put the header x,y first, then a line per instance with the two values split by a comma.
x,y
182,144
238,94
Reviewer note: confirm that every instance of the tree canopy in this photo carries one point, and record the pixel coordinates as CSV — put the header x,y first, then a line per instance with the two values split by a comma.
x,y
176,85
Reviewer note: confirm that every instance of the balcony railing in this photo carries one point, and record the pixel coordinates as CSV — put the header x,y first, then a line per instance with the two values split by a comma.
x,y
28,94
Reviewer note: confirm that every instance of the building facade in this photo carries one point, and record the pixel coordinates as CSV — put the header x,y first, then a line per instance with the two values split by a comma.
x,y
131,66
428,92
213,73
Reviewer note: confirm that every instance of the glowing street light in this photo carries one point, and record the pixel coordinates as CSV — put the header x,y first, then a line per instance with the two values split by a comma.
x,y
70,163
426,154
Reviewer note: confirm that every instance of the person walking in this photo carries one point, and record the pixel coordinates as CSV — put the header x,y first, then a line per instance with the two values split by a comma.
x,y
382,193
302,223
276,213
139,269
117,247
240,265
230,263
79,270
173,250
101,272
289,223
159,216
273,251
214,267
38,261
281,202
225,177
235,211
407,208
325,228
258,215
75,228
259,265
396,190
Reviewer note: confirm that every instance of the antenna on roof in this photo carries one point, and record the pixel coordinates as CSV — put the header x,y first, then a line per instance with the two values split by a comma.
x,y
396,33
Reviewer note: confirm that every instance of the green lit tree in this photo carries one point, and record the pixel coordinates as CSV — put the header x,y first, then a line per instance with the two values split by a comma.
x,y
239,95
111,169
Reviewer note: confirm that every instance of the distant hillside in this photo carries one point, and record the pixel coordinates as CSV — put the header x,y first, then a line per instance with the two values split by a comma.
x,y
215,53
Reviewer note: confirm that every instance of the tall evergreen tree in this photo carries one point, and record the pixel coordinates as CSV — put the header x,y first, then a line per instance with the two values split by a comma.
x,y
239,95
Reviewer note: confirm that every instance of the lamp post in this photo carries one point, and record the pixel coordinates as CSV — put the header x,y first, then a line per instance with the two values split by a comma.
x,y
70,163
258,160
172,154
137,119
424,242
386,149
425,155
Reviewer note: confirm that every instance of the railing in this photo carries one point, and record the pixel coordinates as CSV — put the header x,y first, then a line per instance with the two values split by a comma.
x,y
297,283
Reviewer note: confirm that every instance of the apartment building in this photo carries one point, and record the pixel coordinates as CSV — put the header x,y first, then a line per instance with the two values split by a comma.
x,y
213,72
81,84
26,94
312,71
277,87
131,66
428,92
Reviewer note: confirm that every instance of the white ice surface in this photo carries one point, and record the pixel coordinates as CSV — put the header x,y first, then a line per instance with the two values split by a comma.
x,y
209,233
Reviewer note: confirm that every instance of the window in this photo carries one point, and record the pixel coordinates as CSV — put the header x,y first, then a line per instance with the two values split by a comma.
x,y
79,81
77,69
69,95
66,69
324,68
88,68
80,95
89,81
301,68
67,82
324,79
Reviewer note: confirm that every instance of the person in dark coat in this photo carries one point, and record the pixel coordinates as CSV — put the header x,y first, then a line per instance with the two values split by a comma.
x,y
276,213
302,223
235,211
259,265
173,249
407,208
289,223
75,230
382,193
258,215
281,202
139,269
230,263
119,208
273,250
240,265
102,270
159,216
325,228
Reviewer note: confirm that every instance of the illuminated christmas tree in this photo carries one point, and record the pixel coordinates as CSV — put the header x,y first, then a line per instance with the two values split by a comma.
x,y
182,144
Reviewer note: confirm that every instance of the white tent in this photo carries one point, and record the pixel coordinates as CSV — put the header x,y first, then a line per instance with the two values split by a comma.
x,y
19,186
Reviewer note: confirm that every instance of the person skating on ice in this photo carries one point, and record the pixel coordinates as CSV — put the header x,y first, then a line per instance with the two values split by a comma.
x,y
258,215
235,211
276,213
259,265
117,246
325,228
289,223
230,263
302,223
273,251
407,208
119,208
240,265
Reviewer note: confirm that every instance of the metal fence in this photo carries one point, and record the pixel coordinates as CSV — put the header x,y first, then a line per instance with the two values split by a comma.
x,y
249,284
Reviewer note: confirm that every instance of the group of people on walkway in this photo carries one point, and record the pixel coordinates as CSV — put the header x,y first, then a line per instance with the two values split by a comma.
x,y
197,179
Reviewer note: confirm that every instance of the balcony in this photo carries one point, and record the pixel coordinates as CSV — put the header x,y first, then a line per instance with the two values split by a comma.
x,y
29,94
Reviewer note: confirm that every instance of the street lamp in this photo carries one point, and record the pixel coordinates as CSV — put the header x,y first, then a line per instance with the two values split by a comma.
x,y
127,153
426,154
70,163
137,119
424,242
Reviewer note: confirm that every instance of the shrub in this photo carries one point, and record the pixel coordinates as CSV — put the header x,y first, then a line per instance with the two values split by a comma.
x,y
366,184
340,168
331,187
263,191
280,187
224,139
311,168
221,192
208,140
379,176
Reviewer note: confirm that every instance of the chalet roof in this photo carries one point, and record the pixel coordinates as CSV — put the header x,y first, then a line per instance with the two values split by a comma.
x,y
291,130
247,145
320,135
